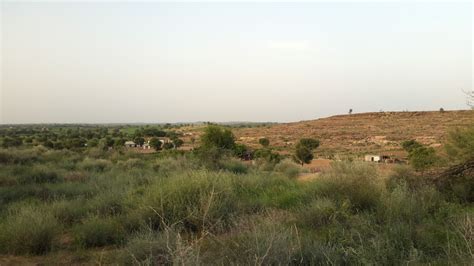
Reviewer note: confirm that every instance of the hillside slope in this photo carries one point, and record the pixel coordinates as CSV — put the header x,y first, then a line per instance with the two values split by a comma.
x,y
361,133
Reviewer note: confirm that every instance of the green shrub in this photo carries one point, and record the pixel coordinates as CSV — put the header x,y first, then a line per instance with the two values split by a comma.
x,y
321,212
168,165
167,247
28,230
98,232
131,163
356,182
403,175
233,165
70,212
108,204
288,168
199,200
38,175
261,240
95,165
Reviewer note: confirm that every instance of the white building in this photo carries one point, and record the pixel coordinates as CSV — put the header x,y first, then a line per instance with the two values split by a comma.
x,y
130,144
372,158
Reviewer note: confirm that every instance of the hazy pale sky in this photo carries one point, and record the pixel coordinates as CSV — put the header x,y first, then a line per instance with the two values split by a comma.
x,y
168,62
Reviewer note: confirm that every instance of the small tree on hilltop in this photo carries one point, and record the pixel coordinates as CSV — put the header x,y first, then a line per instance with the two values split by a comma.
x,y
264,142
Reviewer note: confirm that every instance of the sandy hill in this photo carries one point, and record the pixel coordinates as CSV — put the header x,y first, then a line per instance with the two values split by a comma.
x,y
361,133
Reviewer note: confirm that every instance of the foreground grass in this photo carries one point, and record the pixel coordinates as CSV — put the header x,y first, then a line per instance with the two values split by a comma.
x,y
122,209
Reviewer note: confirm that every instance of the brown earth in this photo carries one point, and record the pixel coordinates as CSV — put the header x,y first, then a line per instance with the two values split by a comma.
x,y
358,134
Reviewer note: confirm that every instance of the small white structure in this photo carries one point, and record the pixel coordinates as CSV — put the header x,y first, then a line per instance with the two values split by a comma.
x,y
146,145
130,144
372,158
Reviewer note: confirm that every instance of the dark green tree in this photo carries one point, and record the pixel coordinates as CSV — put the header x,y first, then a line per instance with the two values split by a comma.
x,y
410,145
309,143
11,142
139,140
422,158
264,142
460,144
178,142
303,154
215,136
155,143
168,146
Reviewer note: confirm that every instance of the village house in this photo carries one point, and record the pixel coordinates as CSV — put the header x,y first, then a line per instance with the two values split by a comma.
x,y
372,158
146,145
130,144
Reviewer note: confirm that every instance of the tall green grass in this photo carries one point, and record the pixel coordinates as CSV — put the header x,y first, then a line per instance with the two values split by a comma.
x,y
155,209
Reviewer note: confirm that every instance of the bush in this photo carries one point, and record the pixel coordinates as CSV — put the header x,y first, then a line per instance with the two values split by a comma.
x,y
39,175
460,144
235,166
288,168
321,212
98,232
403,175
95,165
199,200
28,230
132,163
261,240
164,248
356,182
70,212
422,158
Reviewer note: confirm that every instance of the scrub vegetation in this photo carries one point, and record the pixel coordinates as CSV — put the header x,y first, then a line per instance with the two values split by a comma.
x,y
68,204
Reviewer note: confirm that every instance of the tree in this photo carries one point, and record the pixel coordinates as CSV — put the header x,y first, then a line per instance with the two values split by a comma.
x,y
242,151
309,143
410,145
264,142
178,142
460,144
155,143
303,154
11,142
215,136
350,111
92,143
119,142
139,141
268,155
422,158
304,150
215,143
168,146
470,98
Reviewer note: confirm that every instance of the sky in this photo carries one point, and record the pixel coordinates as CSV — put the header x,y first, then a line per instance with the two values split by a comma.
x,y
153,62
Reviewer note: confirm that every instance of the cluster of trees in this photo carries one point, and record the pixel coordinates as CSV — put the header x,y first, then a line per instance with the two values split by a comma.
x,y
75,137
217,142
